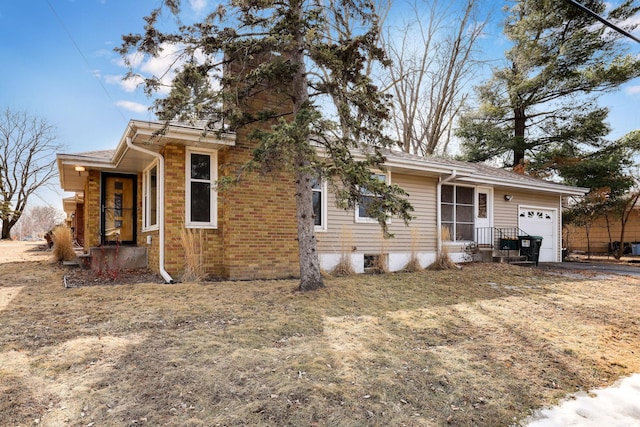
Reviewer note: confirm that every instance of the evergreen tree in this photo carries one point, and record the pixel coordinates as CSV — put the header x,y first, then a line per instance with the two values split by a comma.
x,y
279,45
545,99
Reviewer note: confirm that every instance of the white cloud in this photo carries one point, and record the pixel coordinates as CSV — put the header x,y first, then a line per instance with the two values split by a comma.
x,y
198,5
132,106
128,85
633,90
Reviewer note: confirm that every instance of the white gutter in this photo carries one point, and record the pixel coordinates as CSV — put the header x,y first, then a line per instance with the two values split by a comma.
x,y
165,275
439,208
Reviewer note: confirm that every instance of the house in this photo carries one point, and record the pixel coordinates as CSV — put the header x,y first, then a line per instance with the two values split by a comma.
x,y
134,200
603,233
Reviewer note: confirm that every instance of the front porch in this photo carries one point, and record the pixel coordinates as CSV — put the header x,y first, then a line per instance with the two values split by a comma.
x,y
504,245
115,258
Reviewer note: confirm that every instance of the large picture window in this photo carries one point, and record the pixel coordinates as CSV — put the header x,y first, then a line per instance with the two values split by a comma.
x,y
201,200
150,198
458,212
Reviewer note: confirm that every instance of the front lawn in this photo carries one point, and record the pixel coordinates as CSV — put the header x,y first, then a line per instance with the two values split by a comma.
x,y
480,346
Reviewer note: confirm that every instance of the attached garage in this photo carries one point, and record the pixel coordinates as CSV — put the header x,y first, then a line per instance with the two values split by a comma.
x,y
543,222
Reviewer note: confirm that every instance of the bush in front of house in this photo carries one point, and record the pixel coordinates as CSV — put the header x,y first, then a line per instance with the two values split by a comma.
x,y
62,244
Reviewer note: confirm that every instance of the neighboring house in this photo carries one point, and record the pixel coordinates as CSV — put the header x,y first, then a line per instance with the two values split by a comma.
x,y
139,196
602,234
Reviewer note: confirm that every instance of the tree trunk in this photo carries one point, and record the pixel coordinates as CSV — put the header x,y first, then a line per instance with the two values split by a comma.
x,y
518,143
310,277
624,218
6,230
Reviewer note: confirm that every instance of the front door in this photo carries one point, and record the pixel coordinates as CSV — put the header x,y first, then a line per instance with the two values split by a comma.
x,y
118,209
483,219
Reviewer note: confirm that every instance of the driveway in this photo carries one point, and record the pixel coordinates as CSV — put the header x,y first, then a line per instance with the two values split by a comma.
x,y
595,267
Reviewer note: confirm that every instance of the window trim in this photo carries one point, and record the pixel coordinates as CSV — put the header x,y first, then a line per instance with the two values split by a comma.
x,y
146,186
323,206
454,204
213,220
368,219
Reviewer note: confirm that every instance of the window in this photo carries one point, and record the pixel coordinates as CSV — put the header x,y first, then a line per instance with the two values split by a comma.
x,y
482,205
457,212
318,189
365,201
150,198
201,200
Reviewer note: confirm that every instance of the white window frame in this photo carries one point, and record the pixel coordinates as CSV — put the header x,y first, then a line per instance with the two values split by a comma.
x,y
322,189
213,220
455,205
146,191
368,219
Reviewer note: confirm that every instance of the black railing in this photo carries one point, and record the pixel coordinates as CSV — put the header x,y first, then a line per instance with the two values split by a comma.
x,y
503,240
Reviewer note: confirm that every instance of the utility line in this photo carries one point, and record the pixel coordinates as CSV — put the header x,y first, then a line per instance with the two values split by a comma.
x,y
84,58
603,20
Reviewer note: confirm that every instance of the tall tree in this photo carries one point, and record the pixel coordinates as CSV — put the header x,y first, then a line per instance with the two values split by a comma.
x,y
544,98
270,45
431,64
610,173
27,163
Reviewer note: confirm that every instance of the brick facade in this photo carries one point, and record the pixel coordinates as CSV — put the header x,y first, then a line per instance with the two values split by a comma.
x,y
92,210
256,235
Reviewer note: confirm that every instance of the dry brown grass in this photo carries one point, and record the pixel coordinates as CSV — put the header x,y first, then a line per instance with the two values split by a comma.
x,y
62,244
192,240
413,266
481,346
443,260
345,266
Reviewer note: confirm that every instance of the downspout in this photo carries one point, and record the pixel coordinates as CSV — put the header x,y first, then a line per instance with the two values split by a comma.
x,y
165,275
439,208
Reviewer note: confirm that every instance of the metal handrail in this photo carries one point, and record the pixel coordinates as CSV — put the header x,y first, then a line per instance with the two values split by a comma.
x,y
497,236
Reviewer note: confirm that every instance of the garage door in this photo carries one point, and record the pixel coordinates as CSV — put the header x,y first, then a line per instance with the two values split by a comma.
x,y
541,222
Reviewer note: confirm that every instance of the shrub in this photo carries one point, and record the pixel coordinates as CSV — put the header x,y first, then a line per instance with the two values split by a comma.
x,y
62,244
345,266
193,243
414,263
443,261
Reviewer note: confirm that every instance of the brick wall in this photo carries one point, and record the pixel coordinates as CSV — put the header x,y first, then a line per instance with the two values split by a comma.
x,y
258,214
92,210
175,160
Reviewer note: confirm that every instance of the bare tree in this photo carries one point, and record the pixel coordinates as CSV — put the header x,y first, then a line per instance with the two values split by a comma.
x,y
432,62
27,162
36,221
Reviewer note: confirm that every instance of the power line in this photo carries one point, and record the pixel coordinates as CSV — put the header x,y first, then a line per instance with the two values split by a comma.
x,y
84,58
603,20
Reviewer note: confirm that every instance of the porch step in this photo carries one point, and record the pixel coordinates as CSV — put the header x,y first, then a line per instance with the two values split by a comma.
x,y
520,260
70,263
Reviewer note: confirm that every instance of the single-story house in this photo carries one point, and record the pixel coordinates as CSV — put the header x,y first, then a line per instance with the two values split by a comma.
x,y
136,199
603,234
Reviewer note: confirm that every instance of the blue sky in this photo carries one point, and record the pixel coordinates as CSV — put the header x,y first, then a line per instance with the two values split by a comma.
x,y
58,63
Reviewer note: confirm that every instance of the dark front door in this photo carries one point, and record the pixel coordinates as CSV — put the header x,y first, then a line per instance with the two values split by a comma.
x,y
118,209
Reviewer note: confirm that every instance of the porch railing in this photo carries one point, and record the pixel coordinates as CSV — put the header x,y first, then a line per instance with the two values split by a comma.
x,y
502,240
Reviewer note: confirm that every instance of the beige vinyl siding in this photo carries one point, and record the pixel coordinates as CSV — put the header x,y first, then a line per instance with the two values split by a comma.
x,y
367,237
506,213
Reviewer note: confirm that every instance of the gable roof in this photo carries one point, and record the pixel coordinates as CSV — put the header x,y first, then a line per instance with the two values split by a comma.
x,y
153,136
150,135
474,173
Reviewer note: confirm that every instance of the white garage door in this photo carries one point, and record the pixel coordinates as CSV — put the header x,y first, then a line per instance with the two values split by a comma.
x,y
541,222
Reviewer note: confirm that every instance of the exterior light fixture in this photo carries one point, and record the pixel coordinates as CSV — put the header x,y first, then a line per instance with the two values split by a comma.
x,y
508,197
